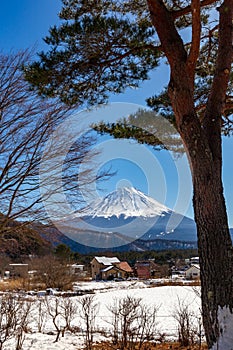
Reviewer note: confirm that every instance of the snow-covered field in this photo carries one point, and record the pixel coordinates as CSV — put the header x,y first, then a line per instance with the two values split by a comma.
x,y
167,298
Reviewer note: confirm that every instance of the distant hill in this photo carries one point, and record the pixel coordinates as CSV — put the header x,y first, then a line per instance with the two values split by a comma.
x,y
18,240
52,235
55,237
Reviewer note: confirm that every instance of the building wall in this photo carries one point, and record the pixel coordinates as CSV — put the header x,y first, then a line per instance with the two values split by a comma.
x,y
114,273
192,273
95,269
110,274
143,270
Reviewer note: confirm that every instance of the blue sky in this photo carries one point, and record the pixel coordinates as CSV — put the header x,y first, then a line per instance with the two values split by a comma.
x,y
24,23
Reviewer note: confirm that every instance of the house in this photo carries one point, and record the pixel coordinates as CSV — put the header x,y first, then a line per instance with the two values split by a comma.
x,y
104,268
142,269
111,272
193,272
126,269
77,270
120,270
149,269
100,263
193,260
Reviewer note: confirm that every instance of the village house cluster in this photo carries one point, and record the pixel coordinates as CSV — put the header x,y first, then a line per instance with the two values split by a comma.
x,y
111,268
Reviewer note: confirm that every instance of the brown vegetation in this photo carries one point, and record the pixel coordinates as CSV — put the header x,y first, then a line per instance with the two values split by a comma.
x,y
153,346
18,240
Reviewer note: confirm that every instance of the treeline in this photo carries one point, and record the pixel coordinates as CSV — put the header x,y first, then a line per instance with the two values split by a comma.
x,y
160,257
63,252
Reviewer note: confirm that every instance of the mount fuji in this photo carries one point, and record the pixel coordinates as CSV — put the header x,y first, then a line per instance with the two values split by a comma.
x,y
127,202
127,217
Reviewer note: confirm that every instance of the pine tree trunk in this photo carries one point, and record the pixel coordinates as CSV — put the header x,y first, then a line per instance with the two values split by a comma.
x,y
215,250
204,150
202,141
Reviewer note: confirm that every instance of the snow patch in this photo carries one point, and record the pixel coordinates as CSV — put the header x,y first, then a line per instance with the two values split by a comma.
x,y
106,260
225,319
125,201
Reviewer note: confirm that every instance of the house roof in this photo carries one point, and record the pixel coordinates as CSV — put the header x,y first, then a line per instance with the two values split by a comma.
x,y
107,261
108,268
195,266
125,266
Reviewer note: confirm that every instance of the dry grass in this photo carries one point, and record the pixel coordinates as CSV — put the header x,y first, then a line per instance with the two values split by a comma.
x,y
17,284
193,283
152,346
12,285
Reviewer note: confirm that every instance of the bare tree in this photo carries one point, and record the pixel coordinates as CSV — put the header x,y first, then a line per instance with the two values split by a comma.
x,y
24,313
53,307
88,313
69,312
8,318
126,314
26,123
14,319
188,321
41,315
147,324
53,273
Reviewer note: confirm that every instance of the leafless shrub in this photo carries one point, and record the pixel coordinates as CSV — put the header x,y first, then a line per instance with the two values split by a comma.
x,y
147,324
24,313
69,311
41,314
9,308
14,319
88,312
133,323
53,307
187,324
125,313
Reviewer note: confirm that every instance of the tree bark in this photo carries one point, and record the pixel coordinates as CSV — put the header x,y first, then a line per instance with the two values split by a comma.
x,y
214,241
214,246
202,142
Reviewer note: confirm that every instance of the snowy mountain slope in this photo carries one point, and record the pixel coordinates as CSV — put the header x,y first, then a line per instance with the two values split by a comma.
x,y
167,226
126,201
124,216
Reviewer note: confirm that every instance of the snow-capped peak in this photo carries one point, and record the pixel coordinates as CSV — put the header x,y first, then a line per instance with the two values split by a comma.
x,y
126,201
